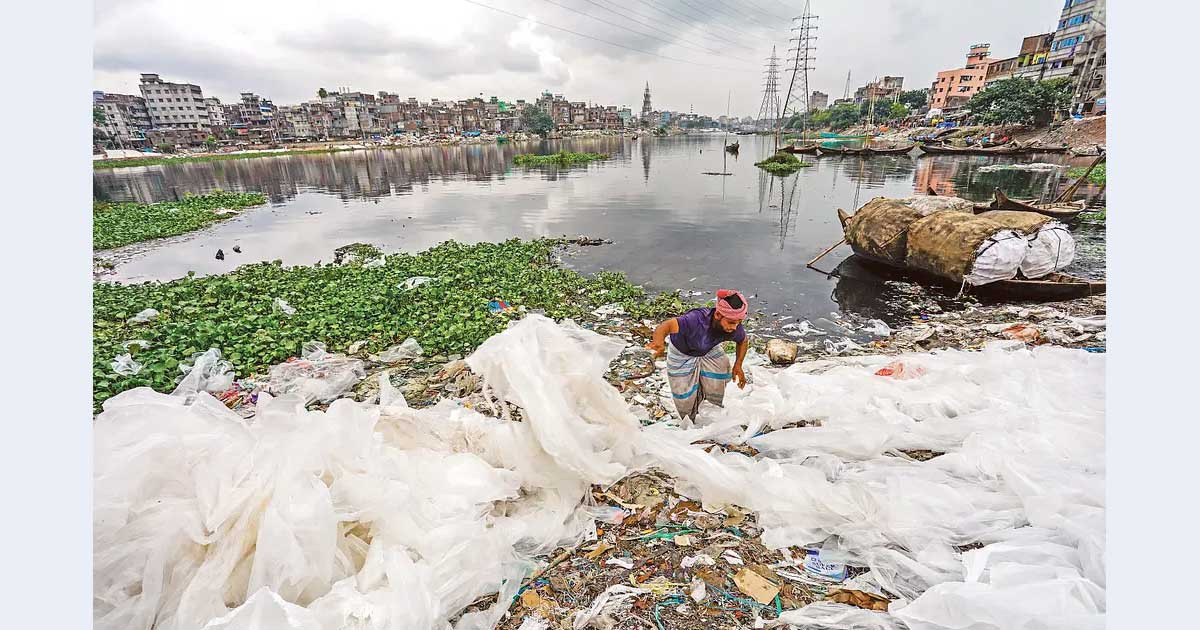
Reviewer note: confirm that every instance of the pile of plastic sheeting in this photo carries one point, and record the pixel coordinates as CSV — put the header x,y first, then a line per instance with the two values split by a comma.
x,y
381,516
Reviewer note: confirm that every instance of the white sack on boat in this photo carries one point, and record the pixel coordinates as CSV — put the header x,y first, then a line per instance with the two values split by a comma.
x,y
1050,249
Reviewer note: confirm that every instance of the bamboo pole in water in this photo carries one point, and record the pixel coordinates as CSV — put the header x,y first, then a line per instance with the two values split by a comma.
x,y
1070,191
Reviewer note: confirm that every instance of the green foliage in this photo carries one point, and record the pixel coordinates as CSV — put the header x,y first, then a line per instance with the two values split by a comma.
x,y
820,119
781,164
162,148
562,158
342,304
99,119
117,224
1098,216
1097,176
322,93
915,99
537,121
897,111
204,158
844,115
210,142
1022,101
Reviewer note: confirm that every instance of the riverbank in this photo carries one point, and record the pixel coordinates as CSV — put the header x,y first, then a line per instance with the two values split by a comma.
x,y
1080,135
120,224
316,148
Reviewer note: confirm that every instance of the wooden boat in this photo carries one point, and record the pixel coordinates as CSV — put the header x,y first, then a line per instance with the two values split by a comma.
x,y
1063,210
840,151
890,150
1052,287
732,148
1042,149
808,149
948,150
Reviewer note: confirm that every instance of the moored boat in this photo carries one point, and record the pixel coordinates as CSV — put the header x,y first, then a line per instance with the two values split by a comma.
x,y
890,150
807,149
823,150
1063,210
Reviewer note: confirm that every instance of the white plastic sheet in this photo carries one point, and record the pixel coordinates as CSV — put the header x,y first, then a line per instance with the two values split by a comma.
x,y
380,516
316,375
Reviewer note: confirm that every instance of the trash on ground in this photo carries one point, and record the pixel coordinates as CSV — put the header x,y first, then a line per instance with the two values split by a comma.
x,y
282,305
144,316
410,349
316,375
414,282
759,588
861,599
782,352
496,307
124,365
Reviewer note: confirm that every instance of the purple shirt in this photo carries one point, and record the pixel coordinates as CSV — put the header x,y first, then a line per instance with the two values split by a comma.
x,y
699,334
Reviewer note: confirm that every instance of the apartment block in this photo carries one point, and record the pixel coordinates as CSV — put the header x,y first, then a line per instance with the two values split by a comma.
x,y
174,105
953,88
126,118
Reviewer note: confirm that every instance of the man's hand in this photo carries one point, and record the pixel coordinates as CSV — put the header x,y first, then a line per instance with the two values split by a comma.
x,y
657,347
739,377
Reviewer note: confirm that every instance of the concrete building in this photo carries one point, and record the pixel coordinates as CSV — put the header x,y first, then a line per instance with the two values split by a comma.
x,y
126,118
953,88
1031,61
818,101
885,89
174,105
1000,70
216,114
1075,26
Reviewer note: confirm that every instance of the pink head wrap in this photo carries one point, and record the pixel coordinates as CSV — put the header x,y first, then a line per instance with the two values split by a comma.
x,y
725,310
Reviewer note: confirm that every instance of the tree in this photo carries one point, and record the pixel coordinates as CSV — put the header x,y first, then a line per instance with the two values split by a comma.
x,y
99,119
897,111
210,142
322,93
820,118
915,99
536,120
844,115
1021,101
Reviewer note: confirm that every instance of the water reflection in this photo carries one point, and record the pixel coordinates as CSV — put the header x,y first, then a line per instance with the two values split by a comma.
x,y
677,229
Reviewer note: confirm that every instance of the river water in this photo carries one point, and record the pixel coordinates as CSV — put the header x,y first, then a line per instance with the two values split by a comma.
x,y
672,225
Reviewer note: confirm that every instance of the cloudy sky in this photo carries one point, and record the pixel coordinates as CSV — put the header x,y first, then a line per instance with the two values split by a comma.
x,y
694,53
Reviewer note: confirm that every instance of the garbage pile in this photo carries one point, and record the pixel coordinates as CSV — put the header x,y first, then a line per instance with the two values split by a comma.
x,y
963,488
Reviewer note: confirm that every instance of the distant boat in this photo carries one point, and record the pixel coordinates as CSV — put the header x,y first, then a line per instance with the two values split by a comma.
x,y
732,148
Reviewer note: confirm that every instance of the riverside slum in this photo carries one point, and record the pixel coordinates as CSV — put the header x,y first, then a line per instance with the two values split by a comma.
x,y
873,485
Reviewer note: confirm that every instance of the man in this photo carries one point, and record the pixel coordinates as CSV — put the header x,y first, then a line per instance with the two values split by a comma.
x,y
697,367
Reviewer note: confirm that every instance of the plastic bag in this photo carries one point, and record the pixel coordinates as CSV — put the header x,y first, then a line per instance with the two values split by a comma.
x,y
124,365
316,375
414,282
144,316
282,305
410,349
204,372
1050,249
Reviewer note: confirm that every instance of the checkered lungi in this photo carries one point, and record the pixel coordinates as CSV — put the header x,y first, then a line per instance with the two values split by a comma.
x,y
694,379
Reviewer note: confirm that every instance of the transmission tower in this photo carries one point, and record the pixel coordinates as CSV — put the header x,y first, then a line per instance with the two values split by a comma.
x,y
768,112
805,40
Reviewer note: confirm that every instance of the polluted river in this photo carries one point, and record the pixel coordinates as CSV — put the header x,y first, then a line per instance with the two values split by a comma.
x,y
675,222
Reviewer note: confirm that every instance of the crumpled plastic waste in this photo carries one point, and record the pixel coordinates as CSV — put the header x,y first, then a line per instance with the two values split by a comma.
x,y
609,310
414,282
382,516
316,375
410,349
144,316
124,365
204,372
135,345
282,305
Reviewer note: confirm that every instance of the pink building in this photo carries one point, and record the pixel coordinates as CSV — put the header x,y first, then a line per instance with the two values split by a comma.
x,y
955,87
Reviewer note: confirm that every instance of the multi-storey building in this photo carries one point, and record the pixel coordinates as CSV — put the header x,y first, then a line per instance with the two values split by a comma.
x,y
174,105
885,89
1075,26
818,101
1031,61
126,119
216,115
953,88
1000,69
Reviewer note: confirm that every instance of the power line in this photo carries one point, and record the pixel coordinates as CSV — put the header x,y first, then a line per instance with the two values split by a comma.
x,y
764,12
700,46
685,22
614,24
732,14
603,41
697,19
